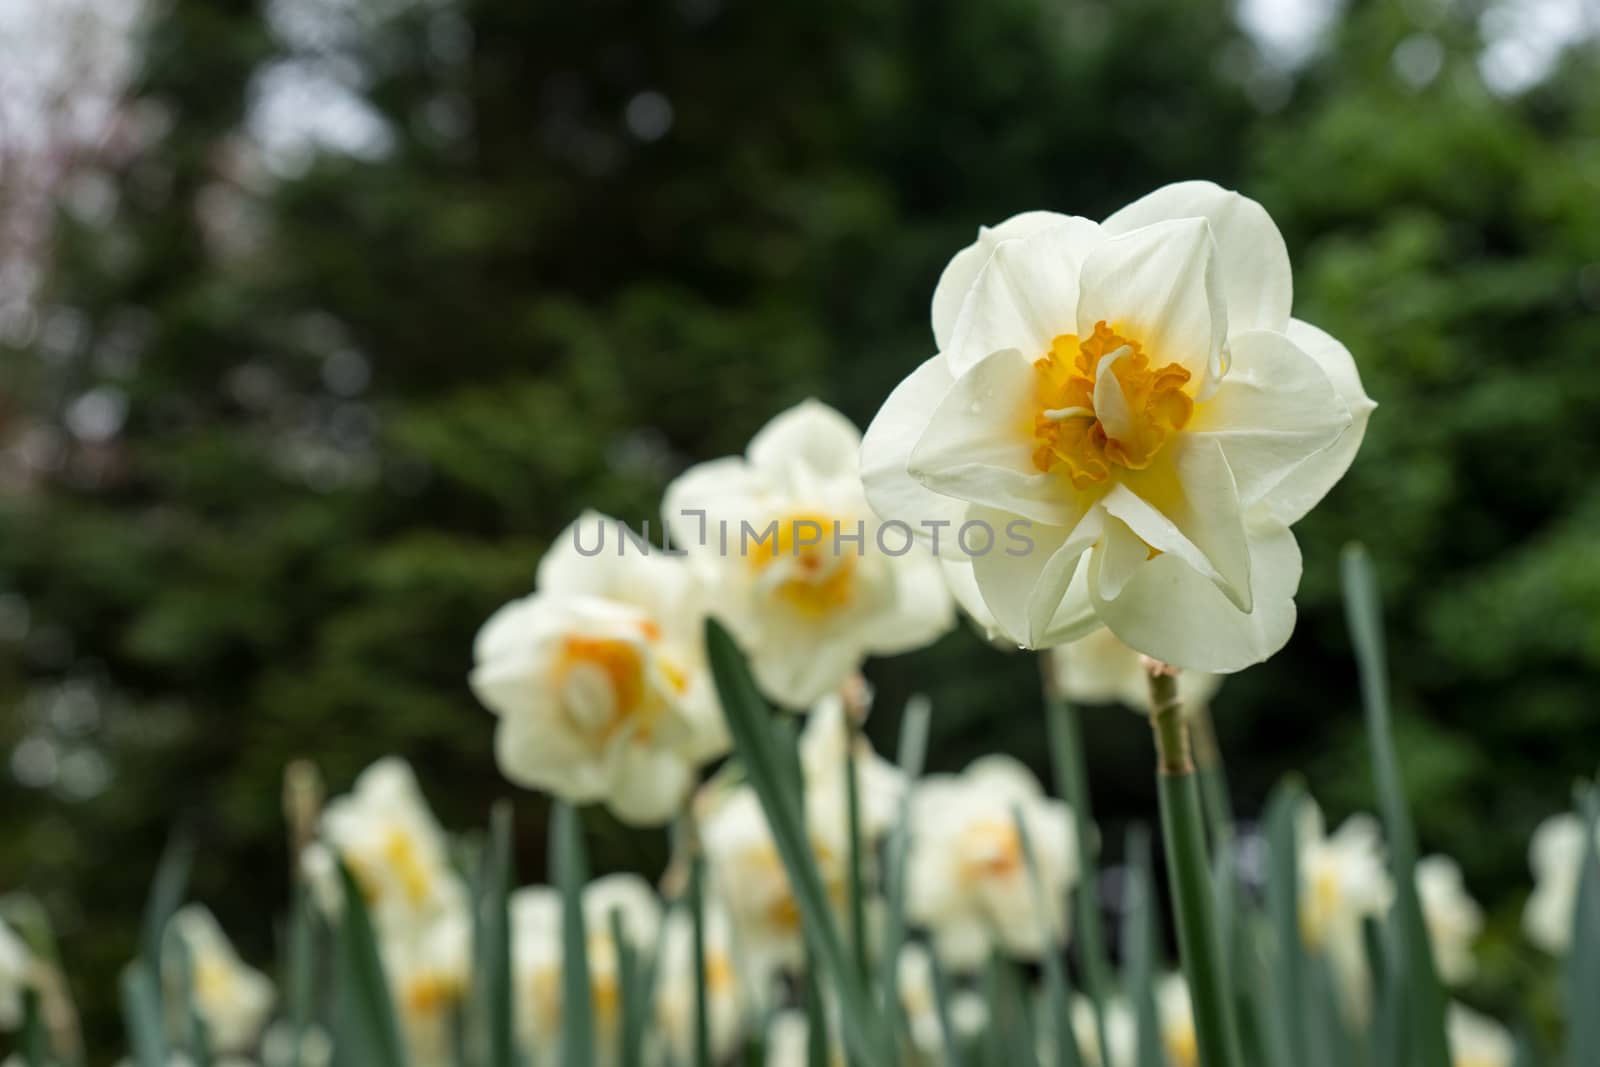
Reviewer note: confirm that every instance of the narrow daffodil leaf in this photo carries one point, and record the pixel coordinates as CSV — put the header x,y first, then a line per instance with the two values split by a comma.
x,y
366,1016
773,776
1072,781
141,1013
913,750
570,874
697,915
1426,1040
495,965
1139,937
1057,988
166,896
1583,958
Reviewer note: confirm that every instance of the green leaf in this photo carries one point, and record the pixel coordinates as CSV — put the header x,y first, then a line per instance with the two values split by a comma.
x,y
953,1053
771,775
1139,937
33,1041
630,985
167,890
570,873
1189,877
141,1014
697,914
913,750
495,967
367,1030
1582,977
1283,910
1072,781
1415,968
300,969
1056,986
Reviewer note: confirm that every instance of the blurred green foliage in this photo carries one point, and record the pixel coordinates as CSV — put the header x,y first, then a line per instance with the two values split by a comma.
x,y
363,393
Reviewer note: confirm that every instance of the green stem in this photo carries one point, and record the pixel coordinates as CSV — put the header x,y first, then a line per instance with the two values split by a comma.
x,y
697,912
1072,779
1189,876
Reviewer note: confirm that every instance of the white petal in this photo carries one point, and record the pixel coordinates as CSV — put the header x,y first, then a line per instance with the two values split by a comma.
x,y
1168,611
797,669
886,450
964,266
1252,259
723,491
923,609
811,436
1188,507
978,446
1023,585
535,752
1025,296
1159,286
1307,484
1274,413
649,786
964,587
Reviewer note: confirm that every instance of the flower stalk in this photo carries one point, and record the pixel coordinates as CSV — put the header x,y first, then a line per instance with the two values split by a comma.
x,y
1188,873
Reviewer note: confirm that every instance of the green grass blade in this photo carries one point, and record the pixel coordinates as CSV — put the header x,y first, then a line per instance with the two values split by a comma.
x,y
817,1052
1426,1030
771,775
1072,781
366,1015
494,963
141,1013
570,873
1057,990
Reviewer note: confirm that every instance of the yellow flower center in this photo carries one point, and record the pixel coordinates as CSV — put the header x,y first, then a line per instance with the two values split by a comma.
x,y
605,682
1317,912
990,849
1101,404
403,856
1183,1047
803,565
432,994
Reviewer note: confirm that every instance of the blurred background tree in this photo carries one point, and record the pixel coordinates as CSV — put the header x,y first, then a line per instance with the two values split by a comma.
x,y
349,306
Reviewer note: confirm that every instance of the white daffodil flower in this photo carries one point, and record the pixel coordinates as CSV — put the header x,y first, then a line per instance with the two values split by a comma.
x,y
748,876
429,967
968,881
386,834
1122,1032
743,857
599,677
232,998
879,783
1556,856
16,976
676,988
799,567
1131,407
1477,1040
537,957
1453,918
969,1012
788,1041
1176,1013
1343,881
1101,669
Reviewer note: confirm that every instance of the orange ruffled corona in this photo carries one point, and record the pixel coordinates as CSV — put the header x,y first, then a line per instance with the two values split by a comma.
x,y
1072,435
